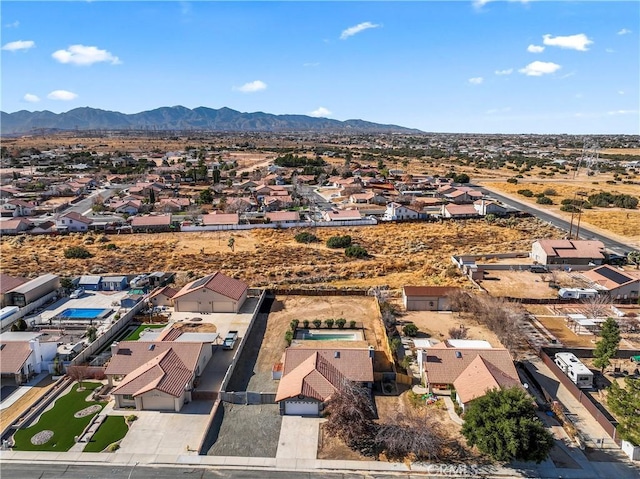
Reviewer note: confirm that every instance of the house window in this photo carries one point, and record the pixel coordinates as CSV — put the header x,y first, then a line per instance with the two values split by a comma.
x,y
127,397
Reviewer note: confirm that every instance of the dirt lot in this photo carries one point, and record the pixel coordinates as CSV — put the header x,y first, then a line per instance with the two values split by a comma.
x,y
248,431
417,253
522,284
11,413
558,327
436,325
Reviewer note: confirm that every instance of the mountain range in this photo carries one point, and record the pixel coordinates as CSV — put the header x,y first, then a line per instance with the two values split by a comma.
x,y
181,118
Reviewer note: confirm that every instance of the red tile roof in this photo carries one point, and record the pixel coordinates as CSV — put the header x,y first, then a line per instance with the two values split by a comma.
x,y
573,248
130,355
444,366
7,283
13,355
220,219
479,377
217,282
152,220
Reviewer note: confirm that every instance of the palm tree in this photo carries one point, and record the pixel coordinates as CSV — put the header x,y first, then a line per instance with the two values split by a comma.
x,y
231,243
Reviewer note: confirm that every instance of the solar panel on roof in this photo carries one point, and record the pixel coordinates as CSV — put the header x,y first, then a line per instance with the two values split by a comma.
x,y
614,276
200,282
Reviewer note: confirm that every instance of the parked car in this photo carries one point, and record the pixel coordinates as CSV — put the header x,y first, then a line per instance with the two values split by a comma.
x,y
230,340
77,293
538,268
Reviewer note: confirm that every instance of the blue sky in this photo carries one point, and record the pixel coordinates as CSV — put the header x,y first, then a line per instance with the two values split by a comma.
x,y
457,66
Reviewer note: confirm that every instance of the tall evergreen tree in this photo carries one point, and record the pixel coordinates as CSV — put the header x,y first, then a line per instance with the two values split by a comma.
x,y
607,347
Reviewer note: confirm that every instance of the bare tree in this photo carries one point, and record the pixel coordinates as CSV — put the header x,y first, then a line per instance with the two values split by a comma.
x,y
597,306
411,437
459,332
78,373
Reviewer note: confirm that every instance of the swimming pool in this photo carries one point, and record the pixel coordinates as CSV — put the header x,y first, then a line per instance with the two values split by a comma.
x,y
326,336
84,313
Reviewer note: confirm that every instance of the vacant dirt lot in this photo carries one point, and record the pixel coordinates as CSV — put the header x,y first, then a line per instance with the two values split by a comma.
x,y
417,253
436,325
521,284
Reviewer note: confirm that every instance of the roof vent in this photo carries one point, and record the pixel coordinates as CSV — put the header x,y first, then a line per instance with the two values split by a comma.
x,y
336,354
152,347
458,354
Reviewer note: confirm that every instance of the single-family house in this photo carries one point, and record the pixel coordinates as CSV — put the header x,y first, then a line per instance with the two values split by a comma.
x,y
155,375
577,252
44,228
18,207
114,283
172,205
427,298
341,215
281,217
151,223
479,377
463,195
220,219
162,297
90,282
72,222
618,284
451,210
14,226
215,293
129,207
25,354
440,367
310,376
397,212
486,207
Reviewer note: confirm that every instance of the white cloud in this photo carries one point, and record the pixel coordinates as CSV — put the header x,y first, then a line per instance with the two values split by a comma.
x,y
63,95
251,87
624,31
31,98
360,27
508,71
622,112
610,50
19,45
320,112
15,24
536,69
578,42
476,80
620,92
535,48
84,55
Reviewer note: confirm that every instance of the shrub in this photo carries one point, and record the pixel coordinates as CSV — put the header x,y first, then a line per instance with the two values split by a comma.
x,y
410,330
356,251
513,180
339,241
77,252
288,337
527,193
109,247
543,200
461,178
305,237
340,322
294,324
352,324
550,192
113,447
329,322
131,418
317,323
305,323
570,208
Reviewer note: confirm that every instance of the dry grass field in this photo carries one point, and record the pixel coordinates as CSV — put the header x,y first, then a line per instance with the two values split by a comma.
x,y
417,253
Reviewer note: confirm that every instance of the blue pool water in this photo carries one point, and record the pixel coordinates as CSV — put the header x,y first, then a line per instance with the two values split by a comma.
x,y
84,313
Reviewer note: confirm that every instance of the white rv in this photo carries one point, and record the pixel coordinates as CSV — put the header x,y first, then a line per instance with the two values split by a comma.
x,y
577,293
574,369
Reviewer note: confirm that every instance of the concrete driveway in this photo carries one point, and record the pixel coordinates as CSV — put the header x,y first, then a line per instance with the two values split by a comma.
x,y
298,437
166,433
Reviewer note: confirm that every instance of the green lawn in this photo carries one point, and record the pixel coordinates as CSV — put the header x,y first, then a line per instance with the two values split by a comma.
x,y
60,420
136,334
111,430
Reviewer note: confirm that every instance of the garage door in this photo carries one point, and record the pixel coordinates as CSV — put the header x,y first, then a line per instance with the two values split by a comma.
x,y
223,307
301,408
187,306
157,403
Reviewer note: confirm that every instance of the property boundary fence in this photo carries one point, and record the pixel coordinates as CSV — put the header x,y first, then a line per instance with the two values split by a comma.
x,y
582,397
296,224
318,292
248,397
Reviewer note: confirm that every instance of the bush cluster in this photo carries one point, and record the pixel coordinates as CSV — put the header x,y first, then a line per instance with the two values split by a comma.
x,y
77,252
339,241
305,237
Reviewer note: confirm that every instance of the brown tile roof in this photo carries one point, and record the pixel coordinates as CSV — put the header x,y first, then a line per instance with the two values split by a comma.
x,y
438,291
13,355
221,219
74,215
597,275
170,334
165,372
317,373
343,215
13,224
573,248
152,220
167,291
479,377
130,355
217,282
461,209
283,216
7,283
443,366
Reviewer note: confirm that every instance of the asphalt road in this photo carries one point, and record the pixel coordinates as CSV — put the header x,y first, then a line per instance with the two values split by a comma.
x,y
62,471
585,233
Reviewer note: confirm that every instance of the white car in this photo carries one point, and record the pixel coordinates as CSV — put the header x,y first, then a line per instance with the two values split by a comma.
x,y
77,293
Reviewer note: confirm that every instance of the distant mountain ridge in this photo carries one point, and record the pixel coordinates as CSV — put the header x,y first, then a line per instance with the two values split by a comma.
x,y
181,118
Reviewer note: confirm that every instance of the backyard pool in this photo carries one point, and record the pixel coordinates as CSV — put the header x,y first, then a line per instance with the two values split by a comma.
x,y
84,313
333,336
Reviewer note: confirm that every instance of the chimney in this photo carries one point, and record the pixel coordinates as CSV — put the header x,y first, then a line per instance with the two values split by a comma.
x,y
114,348
336,354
